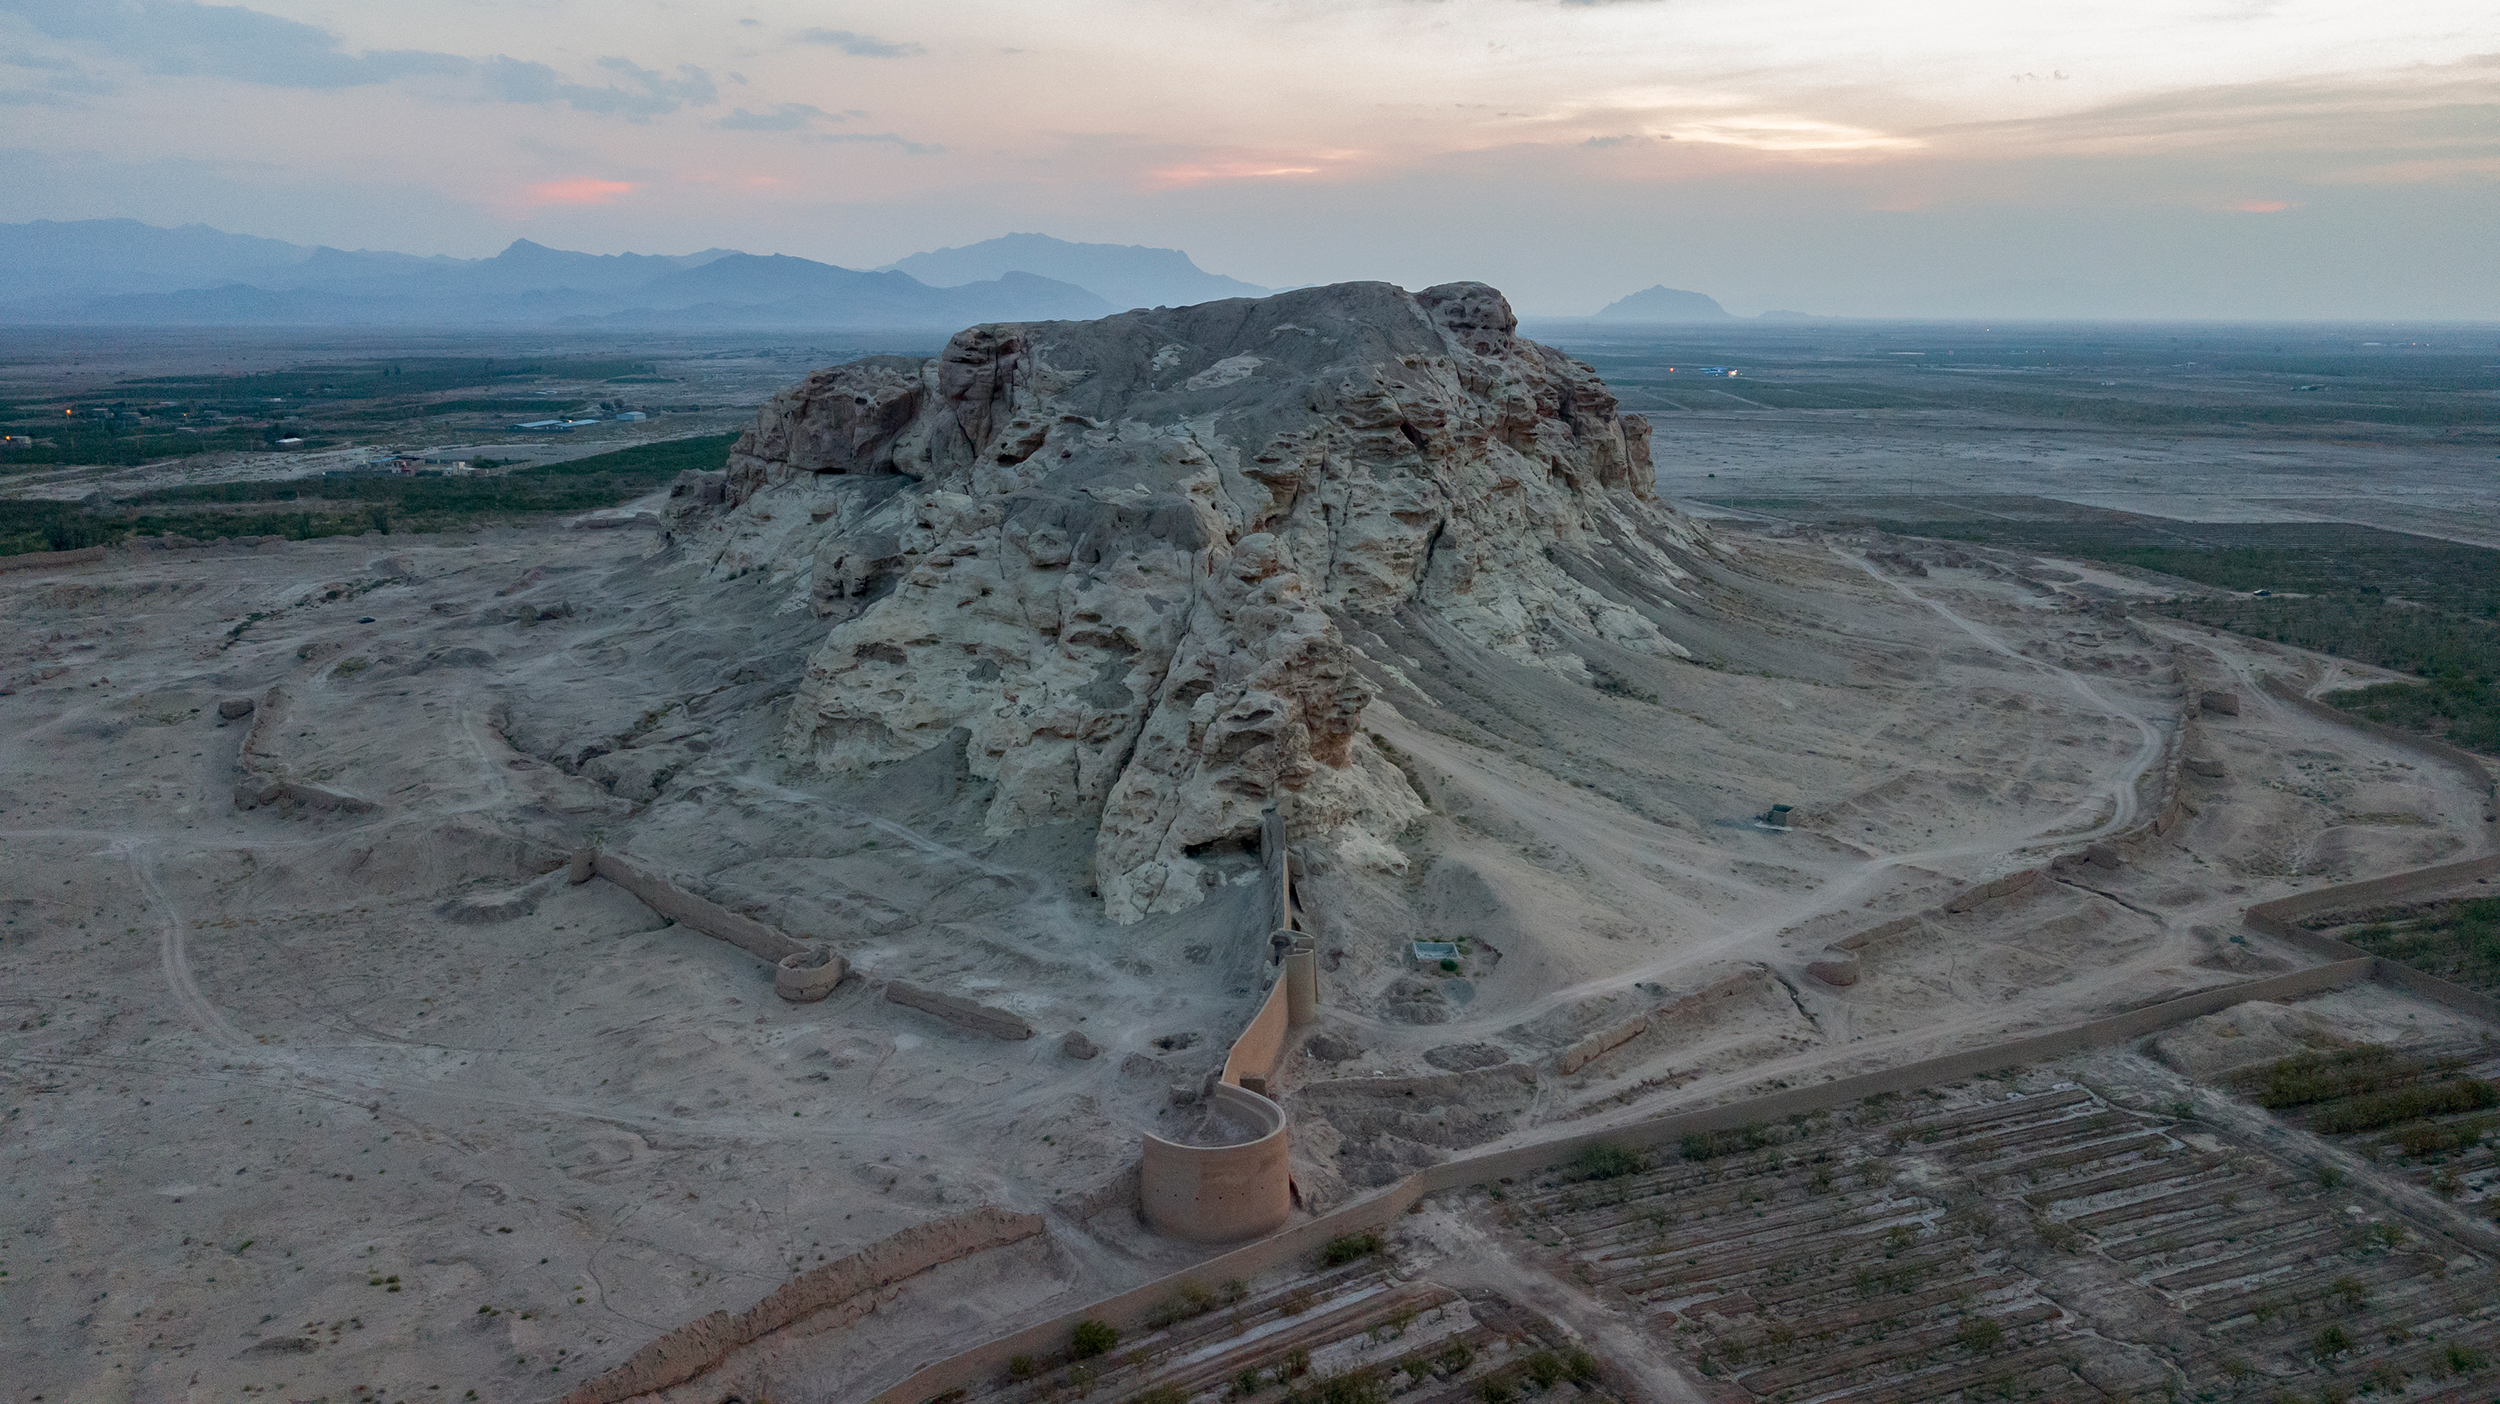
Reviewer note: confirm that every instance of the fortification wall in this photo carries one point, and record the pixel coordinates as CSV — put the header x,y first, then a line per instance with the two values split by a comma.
x,y
1221,1194
40,560
686,909
2472,764
1261,1045
1301,1242
2282,916
699,1345
963,1013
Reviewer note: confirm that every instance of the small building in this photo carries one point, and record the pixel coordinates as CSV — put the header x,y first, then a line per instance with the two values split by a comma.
x,y
545,426
631,417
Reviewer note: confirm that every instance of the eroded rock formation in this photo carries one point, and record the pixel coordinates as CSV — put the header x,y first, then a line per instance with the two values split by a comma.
x,y
1108,558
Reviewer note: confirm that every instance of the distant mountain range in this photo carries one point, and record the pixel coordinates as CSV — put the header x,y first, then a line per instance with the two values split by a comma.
x,y
1660,303
120,272
1129,275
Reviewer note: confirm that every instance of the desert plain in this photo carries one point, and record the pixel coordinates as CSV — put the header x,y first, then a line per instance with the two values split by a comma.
x,y
321,1080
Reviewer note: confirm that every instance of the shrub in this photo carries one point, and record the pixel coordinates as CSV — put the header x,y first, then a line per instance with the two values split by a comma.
x,y
2464,1358
1543,1368
1368,1386
1346,1248
1456,1356
1092,1338
2370,1112
1980,1335
1581,1366
1020,1367
1709,1145
1603,1161
1163,1394
1495,1391
2309,1077
2332,1342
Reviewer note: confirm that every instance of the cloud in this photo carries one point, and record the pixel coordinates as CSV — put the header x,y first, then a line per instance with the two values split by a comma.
x,y
1215,170
788,117
67,83
649,95
861,45
181,38
581,190
185,39
909,147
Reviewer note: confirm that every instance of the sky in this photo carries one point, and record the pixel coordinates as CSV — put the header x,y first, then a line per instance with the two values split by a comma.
x,y
2097,158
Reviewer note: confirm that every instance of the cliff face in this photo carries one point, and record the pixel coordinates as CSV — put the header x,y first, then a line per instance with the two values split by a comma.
x,y
1108,553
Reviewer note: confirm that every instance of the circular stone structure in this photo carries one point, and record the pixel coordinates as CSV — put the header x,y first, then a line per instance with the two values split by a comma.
x,y
1228,1179
809,975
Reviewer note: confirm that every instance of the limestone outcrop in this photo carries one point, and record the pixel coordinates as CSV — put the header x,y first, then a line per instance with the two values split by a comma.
x,y
1109,559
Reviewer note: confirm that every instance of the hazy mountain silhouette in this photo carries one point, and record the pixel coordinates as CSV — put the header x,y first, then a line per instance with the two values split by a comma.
x,y
1660,303
122,272
1126,275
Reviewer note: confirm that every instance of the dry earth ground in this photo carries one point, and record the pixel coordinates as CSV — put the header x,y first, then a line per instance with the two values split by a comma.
x,y
285,1116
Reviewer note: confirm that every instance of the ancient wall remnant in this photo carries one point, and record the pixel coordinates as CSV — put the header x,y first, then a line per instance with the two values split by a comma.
x,y
2010,885
686,909
2473,765
963,1013
810,978
701,1344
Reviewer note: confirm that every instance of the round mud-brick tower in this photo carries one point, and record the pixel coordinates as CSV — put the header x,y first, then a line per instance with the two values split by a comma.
x,y
809,975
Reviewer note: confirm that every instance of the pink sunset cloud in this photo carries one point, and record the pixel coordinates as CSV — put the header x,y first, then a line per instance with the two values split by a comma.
x,y
581,190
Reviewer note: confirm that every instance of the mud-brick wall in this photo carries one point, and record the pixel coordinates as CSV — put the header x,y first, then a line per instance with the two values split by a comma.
x,y
1221,1194
686,909
2282,916
1383,1208
2431,746
703,1343
1262,1045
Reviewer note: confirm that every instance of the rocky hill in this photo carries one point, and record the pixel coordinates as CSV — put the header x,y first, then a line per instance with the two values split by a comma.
x,y
1660,303
1117,562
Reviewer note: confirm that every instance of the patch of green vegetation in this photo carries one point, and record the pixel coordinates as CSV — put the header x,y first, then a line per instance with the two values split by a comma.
x,y
1709,1145
415,375
2406,603
1979,1335
1091,1338
1346,1248
163,417
347,506
1369,1385
124,443
2460,942
2465,710
1606,1161
2308,1077
2383,1109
